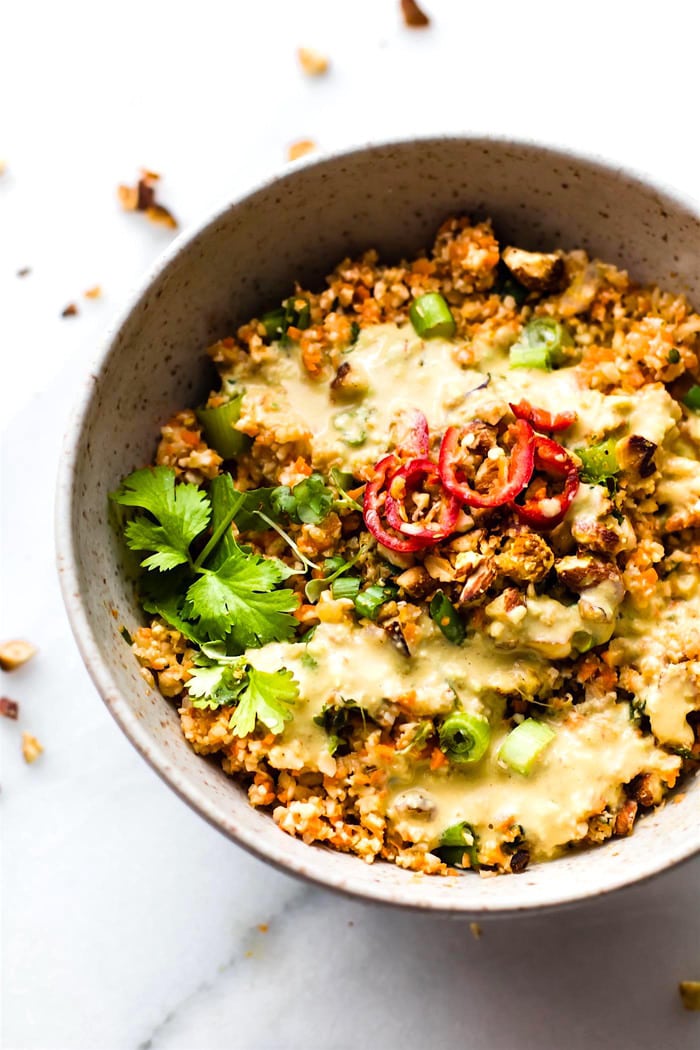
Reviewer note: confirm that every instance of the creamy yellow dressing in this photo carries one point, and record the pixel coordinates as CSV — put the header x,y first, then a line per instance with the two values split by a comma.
x,y
400,370
596,750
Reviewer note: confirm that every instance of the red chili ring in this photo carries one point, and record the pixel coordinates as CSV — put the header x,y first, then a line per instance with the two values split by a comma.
x,y
540,419
449,506
520,467
371,509
555,460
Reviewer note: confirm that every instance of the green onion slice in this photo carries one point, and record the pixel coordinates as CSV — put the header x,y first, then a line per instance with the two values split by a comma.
x,y
455,841
540,345
369,601
599,462
443,612
346,587
217,424
692,398
464,737
524,745
431,316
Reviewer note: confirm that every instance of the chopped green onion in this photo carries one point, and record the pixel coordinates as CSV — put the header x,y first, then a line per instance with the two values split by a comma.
x,y
343,479
346,587
464,737
540,344
333,564
455,841
443,612
275,323
674,356
295,312
314,588
524,745
599,462
368,602
430,316
217,424
308,635
352,426
354,333
692,398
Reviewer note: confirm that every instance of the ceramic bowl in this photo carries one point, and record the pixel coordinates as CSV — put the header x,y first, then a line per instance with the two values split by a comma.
x,y
246,256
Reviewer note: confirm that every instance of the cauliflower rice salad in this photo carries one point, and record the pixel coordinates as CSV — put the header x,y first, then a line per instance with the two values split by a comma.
x,y
424,570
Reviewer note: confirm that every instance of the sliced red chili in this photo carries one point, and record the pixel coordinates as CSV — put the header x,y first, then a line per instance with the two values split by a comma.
x,y
374,500
413,434
520,466
546,512
402,483
541,419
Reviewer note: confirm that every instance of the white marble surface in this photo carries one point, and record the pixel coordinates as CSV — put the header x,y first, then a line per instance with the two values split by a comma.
x,y
127,922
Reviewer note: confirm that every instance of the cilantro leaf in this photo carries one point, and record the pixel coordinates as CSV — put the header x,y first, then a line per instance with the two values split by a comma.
x,y
162,595
308,503
266,697
215,684
181,512
219,681
238,599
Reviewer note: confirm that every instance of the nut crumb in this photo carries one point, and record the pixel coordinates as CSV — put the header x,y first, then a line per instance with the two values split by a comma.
x,y
15,653
690,994
475,930
413,16
300,149
142,197
313,63
9,708
31,748
93,293
69,311
24,271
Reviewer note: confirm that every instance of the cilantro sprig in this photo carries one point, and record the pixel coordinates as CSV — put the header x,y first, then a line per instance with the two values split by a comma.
x,y
226,593
259,696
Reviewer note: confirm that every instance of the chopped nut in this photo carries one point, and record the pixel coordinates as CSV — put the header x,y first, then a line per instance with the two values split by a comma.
x,y
9,708
31,748
479,582
24,271
636,453
69,311
579,571
440,568
413,16
690,994
416,582
537,271
142,197
349,382
300,149
93,293
15,653
624,819
313,63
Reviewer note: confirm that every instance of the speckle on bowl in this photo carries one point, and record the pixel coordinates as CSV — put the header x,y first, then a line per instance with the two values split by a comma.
x,y
246,256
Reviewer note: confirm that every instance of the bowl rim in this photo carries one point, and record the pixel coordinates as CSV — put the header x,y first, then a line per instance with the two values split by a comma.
x,y
568,893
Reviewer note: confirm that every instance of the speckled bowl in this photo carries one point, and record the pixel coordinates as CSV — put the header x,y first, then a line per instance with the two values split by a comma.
x,y
246,256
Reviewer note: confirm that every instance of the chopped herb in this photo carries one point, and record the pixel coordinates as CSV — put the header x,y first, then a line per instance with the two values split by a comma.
x,y
524,745
674,356
315,587
464,737
336,720
692,398
345,587
352,426
431,316
443,612
126,636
